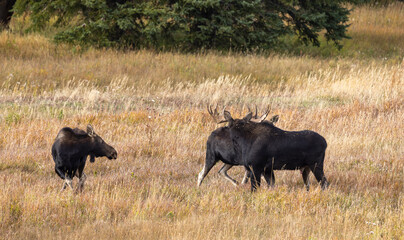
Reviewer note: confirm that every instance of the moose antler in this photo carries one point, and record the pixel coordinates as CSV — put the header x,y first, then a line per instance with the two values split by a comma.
x,y
262,118
255,116
215,114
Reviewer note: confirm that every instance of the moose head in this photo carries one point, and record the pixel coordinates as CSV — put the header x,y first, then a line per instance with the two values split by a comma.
x,y
100,148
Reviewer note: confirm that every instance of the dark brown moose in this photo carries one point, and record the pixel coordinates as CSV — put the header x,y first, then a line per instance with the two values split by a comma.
x,y
220,147
70,151
262,148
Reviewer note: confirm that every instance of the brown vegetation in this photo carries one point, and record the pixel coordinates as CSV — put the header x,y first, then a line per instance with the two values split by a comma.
x,y
152,108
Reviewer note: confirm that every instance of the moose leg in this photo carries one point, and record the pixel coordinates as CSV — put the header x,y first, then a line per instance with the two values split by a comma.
x,y
223,172
81,182
305,174
68,182
64,186
255,178
205,171
319,174
210,161
202,174
269,176
82,177
61,173
247,175
68,179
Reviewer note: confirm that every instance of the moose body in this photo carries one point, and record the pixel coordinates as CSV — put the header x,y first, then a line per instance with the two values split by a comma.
x,y
264,148
219,147
70,151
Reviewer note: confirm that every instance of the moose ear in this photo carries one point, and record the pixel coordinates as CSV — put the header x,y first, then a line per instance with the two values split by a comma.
x,y
248,117
274,119
228,118
90,130
227,115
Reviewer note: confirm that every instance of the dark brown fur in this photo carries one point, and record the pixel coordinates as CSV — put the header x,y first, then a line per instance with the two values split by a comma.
x,y
71,148
262,147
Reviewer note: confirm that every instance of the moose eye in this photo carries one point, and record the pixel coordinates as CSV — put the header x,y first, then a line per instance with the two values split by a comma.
x,y
240,124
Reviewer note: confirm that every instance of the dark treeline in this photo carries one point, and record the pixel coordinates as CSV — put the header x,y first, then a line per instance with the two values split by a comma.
x,y
188,24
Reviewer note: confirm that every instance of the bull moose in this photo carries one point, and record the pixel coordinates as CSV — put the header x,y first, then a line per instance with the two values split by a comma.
x,y
220,147
70,151
262,148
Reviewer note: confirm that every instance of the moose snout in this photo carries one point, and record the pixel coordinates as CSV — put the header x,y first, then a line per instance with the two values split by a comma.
x,y
113,155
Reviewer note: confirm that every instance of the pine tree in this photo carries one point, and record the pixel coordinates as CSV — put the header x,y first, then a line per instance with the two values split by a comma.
x,y
189,24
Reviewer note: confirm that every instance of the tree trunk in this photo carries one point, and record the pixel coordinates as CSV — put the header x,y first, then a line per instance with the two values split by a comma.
x,y
5,14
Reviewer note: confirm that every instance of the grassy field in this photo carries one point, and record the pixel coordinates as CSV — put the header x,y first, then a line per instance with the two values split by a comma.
x,y
376,32
152,108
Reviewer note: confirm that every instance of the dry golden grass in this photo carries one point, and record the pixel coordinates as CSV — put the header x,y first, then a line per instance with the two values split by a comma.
x,y
151,108
378,32
384,21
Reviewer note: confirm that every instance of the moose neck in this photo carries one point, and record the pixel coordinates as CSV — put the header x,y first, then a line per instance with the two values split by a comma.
x,y
87,145
247,134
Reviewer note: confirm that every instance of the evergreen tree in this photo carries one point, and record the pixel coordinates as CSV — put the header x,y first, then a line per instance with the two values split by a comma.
x,y
188,24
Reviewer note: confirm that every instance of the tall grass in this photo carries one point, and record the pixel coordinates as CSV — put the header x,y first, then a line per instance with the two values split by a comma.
x,y
152,108
376,32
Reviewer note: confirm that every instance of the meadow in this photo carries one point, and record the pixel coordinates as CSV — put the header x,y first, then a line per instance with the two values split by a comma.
x,y
152,108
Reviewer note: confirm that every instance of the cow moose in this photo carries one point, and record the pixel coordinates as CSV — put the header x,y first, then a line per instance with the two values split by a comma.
x,y
70,151
220,147
263,148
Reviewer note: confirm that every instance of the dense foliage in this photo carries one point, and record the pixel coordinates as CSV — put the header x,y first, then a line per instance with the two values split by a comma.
x,y
188,24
